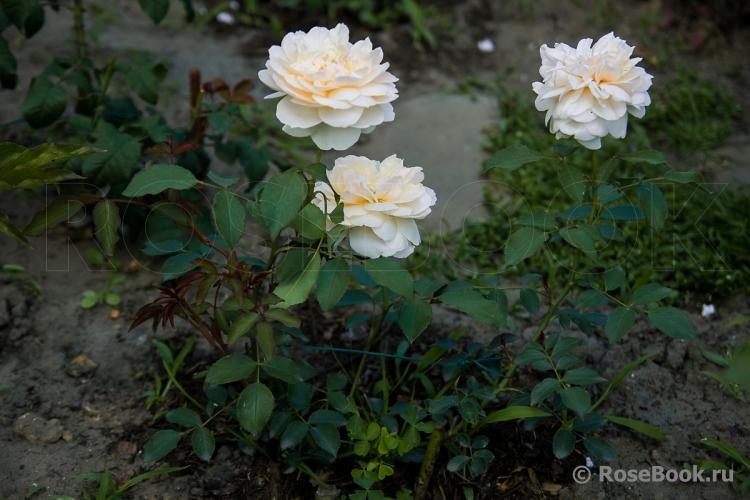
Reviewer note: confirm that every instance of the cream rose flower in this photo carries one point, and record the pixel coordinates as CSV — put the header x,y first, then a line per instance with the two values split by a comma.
x,y
381,202
332,91
588,91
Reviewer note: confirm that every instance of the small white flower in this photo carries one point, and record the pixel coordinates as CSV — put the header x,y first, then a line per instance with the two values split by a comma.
x,y
234,5
332,91
225,18
381,202
486,45
589,463
708,310
588,91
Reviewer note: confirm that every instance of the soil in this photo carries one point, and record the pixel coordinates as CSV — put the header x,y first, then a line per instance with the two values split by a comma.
x,y
73,401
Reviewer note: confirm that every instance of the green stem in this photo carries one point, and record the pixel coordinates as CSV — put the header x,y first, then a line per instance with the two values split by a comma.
x,y
179,387
78,28
319,156
108,72
374,330
545,322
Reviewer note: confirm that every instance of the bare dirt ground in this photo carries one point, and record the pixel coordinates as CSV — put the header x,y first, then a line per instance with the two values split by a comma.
x,y
57,419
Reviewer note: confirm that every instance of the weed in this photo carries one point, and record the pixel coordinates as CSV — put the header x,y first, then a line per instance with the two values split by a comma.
x,y
93,298
20,274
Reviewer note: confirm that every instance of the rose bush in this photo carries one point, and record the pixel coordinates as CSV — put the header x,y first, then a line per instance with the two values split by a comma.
x,y
588,91
333,91
381,202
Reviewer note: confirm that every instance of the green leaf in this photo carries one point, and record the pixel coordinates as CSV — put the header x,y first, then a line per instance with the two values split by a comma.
x,y
649,156
144,81
650,293
155,9
230,369
475,305
160,444
241,326
291,263
10,230
639,426
56,212
107,221
590,299
327,437
44,103
221,181
563,443
653,204
414,318
581,240
229,217
18,10
16,157
8,66
523,244
621,376
280,200
576,399
294,434
457,463
184,417
332,282
158,178
512,158
539,219
390,274
204,443
530,300
179,264
310,222
614,278
600,448
573,181
686,178
327,417
511,413
582,376
296,289
605,170
318,171
543,390
300,395
254,407
117,163
563,150
622,212
337,214
147,475
283,369
672,322
564,345
619,323
284,317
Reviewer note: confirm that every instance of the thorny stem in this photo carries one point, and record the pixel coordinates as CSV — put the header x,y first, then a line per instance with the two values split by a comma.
x,y
78,28
374,330
428,464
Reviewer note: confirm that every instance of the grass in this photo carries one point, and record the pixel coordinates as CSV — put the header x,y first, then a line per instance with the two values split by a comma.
x,y
704,246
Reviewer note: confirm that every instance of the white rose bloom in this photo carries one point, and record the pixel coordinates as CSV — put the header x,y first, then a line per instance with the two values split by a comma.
x,y
588,91
381,202
332,91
